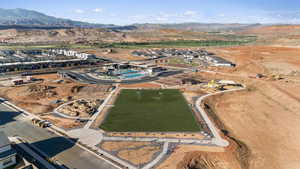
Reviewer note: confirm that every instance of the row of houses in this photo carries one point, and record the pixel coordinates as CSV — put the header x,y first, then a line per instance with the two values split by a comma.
x,y
72,53
188,54
168,52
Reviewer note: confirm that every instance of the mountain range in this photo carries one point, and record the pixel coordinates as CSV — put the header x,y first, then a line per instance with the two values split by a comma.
x,y
27,19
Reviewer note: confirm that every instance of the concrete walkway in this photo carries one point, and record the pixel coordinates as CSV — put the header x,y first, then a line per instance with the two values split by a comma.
x,y
101,107
158,158
145,139
87,136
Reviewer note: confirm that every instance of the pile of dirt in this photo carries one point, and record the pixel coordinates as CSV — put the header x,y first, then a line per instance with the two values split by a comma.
x,y
93,89
76,89
205,160
41,91
82,108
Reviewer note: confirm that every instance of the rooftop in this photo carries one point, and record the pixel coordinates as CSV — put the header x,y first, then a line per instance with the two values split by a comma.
x,y
3,139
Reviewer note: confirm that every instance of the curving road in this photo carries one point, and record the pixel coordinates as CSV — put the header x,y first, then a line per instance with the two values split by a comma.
x,y
217,139
85,78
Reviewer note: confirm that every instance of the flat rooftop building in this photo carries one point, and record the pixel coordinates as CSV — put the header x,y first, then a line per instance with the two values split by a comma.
x,y
7,154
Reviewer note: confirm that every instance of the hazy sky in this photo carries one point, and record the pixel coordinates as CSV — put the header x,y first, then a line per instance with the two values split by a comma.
x,y
166,11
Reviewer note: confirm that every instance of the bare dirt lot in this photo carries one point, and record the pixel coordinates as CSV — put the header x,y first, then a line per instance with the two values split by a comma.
x,y
135,152
42,98
139,156
118,145
262,120
117,54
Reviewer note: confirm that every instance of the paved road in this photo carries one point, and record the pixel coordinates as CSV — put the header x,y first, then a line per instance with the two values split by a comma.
x,y
13,123
85,78
217,139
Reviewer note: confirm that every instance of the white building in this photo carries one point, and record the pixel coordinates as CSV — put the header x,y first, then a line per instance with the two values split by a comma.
x,y
7,154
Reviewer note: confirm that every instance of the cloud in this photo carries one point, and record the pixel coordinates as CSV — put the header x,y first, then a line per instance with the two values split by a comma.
x,y
98,10
164,17
190,13
79,11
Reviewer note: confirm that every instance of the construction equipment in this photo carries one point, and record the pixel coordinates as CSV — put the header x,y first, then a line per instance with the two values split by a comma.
x,y
213,84
277,77
41,123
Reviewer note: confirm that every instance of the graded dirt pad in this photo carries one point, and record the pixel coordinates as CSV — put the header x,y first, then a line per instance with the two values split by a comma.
x,y
265,118
139,156
40,98
184,155
119,54
62,122
251,60
119,145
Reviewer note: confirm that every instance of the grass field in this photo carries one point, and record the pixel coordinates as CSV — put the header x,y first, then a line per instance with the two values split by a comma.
x,y
152,111
176,43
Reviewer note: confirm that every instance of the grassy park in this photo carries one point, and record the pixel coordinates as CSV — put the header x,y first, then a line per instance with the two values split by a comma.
x,y
150,111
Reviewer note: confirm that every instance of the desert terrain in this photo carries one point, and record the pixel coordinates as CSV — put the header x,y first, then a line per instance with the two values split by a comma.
x,y
262,120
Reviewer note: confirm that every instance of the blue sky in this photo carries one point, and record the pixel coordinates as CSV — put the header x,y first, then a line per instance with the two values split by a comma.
x,y
166,11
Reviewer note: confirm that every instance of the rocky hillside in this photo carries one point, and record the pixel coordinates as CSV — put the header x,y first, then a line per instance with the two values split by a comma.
x,y
33,18
201,27
73,35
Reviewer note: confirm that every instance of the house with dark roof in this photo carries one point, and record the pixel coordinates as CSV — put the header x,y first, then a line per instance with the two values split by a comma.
x,y
7,154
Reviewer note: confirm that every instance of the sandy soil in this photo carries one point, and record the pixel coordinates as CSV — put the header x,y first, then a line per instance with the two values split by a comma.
x,y
39,98
62,122
251,60
181,151
265,117
119,54
118,145
139,156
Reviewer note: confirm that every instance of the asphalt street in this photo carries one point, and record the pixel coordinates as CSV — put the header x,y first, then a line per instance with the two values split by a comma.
x,y
84,78
15,124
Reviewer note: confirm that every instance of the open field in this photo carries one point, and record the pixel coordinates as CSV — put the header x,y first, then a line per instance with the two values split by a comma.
x,y
28,47
176,43
137,45
150,110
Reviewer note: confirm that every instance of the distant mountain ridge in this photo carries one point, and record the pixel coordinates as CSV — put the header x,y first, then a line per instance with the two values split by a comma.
x,y
29,19
32,18
198,26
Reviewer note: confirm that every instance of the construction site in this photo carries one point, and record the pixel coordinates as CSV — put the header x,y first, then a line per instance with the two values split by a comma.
x,y
232,105
51,92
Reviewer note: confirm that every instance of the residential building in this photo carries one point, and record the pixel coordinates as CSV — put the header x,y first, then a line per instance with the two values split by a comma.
x,y
7,154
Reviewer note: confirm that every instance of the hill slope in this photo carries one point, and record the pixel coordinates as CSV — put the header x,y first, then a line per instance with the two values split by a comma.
x,y
29,17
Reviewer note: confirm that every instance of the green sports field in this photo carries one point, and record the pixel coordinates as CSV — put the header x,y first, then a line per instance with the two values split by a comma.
x,y
151,111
